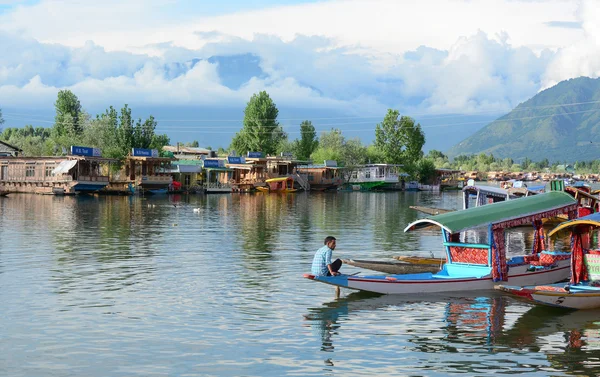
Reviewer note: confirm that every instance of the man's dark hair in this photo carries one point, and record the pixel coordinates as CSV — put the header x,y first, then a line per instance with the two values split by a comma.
x,y
328,239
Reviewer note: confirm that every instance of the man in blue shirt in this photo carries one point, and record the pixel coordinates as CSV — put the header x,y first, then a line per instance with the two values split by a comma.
x,y
322,265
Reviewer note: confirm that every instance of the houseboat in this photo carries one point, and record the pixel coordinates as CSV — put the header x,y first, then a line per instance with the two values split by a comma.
x,y
324,177
218,177
374,177
248,172
143,172
83,171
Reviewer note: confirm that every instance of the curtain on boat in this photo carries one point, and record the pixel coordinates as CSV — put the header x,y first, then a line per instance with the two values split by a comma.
x,y
539,241
499,267
578,270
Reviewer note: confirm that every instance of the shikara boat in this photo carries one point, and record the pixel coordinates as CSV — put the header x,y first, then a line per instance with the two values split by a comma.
x,y
583,290
281,184
477,266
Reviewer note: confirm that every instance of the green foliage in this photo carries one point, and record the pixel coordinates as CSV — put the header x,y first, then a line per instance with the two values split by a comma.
x,y
307,143
261,131
400,140
425,171
67,121
1,119
333,146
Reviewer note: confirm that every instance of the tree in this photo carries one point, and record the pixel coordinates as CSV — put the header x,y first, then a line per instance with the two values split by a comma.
x,y
400,140
333,146
307,143
68,113
261,131
1,120
425,171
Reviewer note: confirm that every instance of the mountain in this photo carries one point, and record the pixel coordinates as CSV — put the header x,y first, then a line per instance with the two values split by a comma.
x,y
561,123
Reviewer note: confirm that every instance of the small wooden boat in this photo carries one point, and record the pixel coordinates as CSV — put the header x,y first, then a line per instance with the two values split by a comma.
x,y
393,267
281,184
583,290
420,260
471,267
430,210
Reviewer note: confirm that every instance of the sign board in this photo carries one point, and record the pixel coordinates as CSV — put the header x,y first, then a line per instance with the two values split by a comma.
x,y
236,160
255,154
139,152
85,151
331,163
213,163
287,154
592,262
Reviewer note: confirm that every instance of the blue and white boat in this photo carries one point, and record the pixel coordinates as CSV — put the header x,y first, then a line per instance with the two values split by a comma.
x,y
476,266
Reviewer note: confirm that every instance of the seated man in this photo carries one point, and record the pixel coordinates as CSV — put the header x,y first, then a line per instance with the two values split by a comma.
x,y
321,265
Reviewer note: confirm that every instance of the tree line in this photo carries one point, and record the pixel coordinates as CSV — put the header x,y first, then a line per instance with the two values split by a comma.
x,y
398,139
114,132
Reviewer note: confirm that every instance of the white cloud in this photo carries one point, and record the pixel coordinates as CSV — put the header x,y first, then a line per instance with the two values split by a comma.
x,y
582,58
357,56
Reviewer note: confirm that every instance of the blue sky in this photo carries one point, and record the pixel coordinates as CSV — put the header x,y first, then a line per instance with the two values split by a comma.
x,y
351,58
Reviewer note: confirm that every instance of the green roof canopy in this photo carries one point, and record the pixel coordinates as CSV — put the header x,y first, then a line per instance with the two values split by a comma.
x,y
477,217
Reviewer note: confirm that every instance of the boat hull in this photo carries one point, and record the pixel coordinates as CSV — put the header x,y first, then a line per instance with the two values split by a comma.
x,y
556,295
436,283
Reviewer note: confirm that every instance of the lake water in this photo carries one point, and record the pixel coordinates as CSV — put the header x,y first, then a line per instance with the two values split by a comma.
x,y
130,286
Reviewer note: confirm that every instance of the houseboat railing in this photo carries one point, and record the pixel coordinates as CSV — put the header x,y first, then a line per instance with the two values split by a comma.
x,y
217,185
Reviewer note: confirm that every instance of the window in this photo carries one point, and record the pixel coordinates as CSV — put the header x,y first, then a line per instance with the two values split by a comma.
x,y
354,175
48,171
368,174
30,171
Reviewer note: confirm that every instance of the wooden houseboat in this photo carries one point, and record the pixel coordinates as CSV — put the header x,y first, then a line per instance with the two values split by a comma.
x,y
279,185
144,172
373,177
248,172
83,171
218,177
324,177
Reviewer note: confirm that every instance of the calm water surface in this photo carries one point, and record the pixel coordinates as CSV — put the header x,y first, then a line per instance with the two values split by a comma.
x,y
116,286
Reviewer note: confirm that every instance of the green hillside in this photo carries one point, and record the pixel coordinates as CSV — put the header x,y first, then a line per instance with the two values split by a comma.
x,y
561,123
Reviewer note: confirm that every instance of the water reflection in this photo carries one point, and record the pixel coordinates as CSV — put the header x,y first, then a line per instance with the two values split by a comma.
x,y
567,342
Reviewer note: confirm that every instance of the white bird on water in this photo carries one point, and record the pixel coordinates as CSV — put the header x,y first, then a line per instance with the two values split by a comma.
x,y
196,209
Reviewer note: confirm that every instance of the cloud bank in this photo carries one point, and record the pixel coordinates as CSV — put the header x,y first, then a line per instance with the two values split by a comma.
x,y
357,57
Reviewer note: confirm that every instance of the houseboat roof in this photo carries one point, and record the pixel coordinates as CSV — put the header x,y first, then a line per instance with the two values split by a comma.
x,y
59,158
186,150
478,217
147,158
319,167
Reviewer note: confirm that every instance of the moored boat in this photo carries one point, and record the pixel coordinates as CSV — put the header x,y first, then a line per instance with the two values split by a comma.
x,y
281,184
476,266
583,289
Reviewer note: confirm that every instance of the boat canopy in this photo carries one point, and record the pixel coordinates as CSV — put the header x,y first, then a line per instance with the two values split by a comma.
x,y
592,220
279,179
64,167
537,206
486,190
